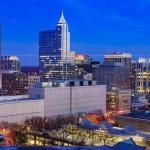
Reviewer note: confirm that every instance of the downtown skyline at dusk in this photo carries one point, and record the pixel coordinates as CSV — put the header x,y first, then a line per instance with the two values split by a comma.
x,y
75,74
96,28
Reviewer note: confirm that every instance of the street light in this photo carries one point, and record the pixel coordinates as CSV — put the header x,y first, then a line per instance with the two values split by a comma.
x,y
28,128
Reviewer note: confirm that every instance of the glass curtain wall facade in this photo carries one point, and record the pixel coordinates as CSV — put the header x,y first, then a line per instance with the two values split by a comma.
x,y
54,52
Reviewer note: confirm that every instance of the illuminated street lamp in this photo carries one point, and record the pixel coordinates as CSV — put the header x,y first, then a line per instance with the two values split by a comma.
x,y
28,128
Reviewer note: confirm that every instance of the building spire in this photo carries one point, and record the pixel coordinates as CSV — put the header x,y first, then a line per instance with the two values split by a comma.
x,y
62,19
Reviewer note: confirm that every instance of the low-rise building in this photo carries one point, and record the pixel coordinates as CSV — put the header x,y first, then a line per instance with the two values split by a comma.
x,y
139,120
19,108
70,97
17,83
51,99
118,101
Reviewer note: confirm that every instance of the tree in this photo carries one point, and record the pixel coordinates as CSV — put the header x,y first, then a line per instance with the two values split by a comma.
x,y
19,136
105,138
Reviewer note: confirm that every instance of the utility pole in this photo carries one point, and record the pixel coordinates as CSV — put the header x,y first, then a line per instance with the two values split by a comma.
x,y
71,119
70,100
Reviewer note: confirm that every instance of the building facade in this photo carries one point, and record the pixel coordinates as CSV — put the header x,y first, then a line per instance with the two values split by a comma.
x,y
63,100
10,64
124,58
55,57
17,83
133,75
32,79
142,82
116,77
118,101
50,99
82,70
85,67
82,59
19,108
113,74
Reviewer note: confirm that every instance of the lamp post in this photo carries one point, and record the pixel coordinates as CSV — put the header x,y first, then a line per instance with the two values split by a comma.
x,y
70,100
71,119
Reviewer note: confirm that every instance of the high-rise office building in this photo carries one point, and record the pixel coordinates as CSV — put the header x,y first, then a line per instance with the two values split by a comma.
x,y
142,83
55,57
82,70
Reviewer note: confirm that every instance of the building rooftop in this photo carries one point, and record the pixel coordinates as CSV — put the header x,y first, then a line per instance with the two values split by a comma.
x,y
12,99
118,55
63,83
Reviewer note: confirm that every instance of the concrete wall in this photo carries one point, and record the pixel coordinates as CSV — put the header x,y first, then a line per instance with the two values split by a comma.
x,y
84,99
36,93
18,111
53,101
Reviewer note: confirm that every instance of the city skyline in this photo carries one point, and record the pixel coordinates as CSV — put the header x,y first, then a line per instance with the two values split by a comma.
x,y
75,73
122,27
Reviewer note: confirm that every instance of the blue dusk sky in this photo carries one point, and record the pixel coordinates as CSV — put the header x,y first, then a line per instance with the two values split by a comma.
x,y
97,26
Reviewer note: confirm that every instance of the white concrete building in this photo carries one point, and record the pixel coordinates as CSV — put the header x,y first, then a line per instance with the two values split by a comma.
x,y
49,99
57,100
19,108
